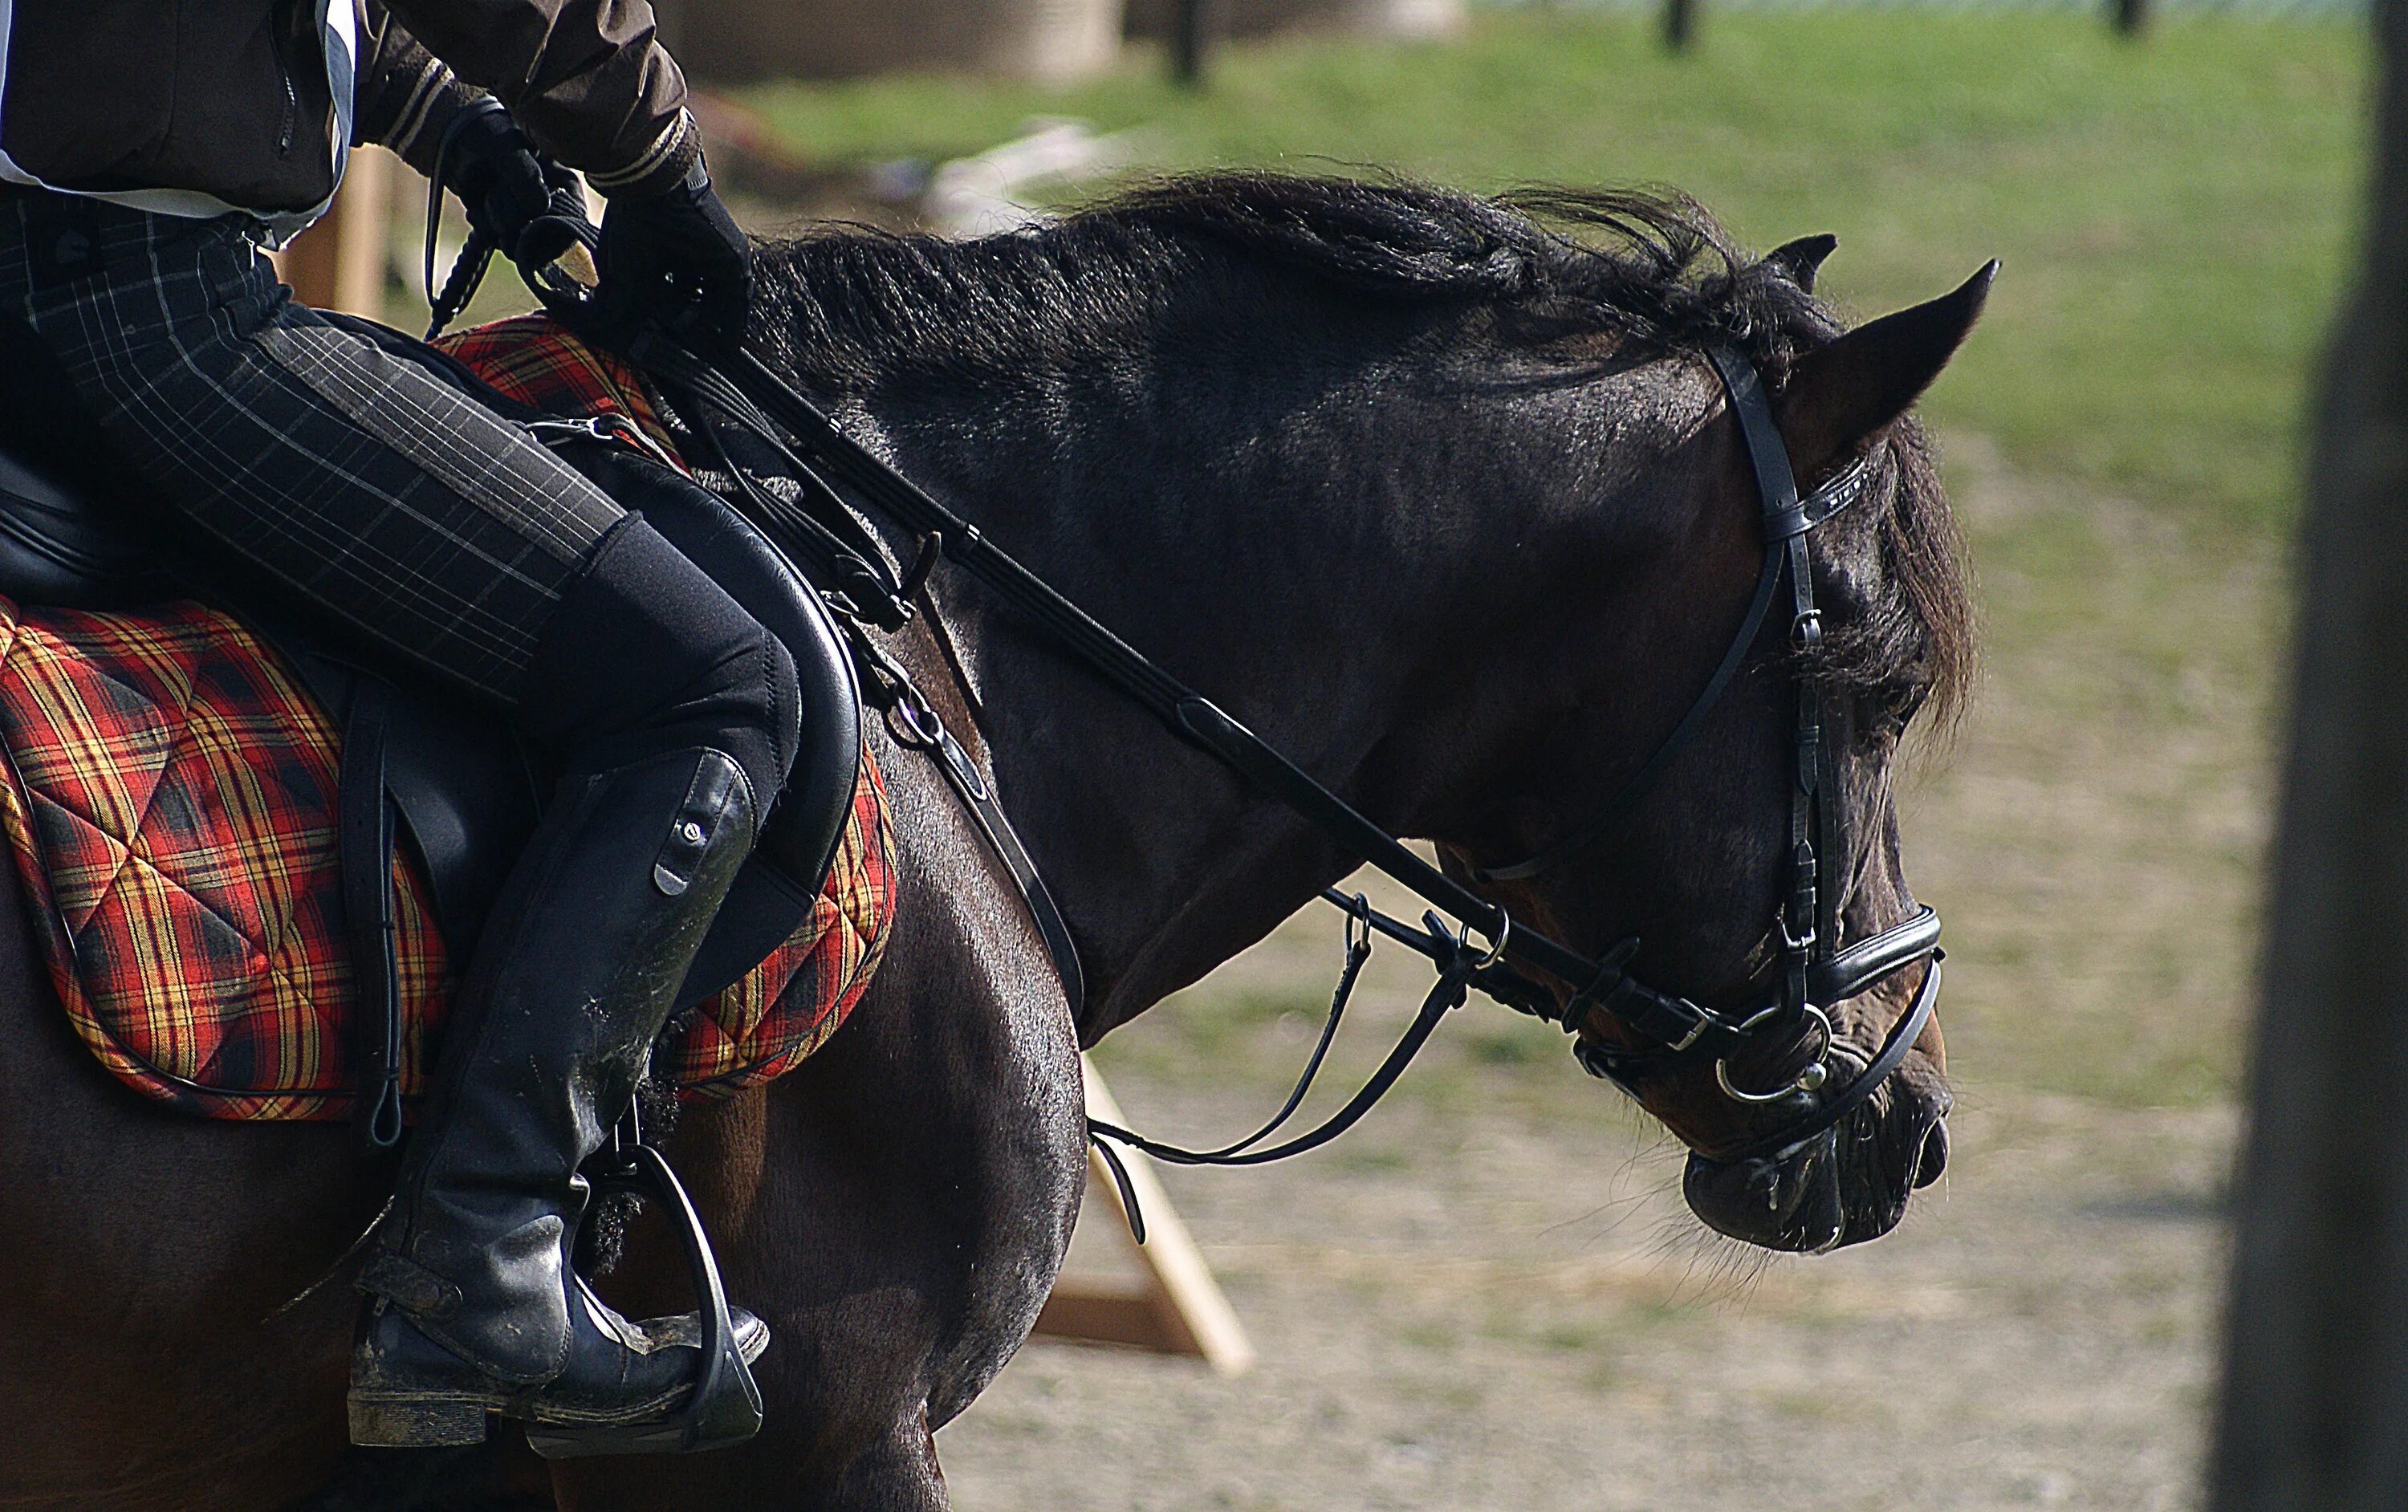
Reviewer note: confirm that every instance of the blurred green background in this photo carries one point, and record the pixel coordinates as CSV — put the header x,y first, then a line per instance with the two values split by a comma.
x,y
1448,1298
2124,431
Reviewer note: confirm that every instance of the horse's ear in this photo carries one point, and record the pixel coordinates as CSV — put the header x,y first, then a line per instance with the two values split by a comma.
x,y
1803,258
1845,389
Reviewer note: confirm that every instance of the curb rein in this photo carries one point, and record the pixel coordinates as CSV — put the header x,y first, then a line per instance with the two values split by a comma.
x,y
749,393
817,526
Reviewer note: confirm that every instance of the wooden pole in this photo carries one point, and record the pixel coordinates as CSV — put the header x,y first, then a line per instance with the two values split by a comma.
x,y
1179,1308
339,264
1680,24
669,24
1191,40
2315,1411
2128,16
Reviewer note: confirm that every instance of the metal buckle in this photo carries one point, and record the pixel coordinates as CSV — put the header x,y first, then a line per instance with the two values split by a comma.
x,y
1706,1019
915,732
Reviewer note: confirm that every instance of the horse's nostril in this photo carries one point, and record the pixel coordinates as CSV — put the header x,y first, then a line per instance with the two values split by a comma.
x,y
1934,1157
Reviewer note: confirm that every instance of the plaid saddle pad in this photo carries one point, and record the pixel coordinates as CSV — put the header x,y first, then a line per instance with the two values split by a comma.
x,y
169,798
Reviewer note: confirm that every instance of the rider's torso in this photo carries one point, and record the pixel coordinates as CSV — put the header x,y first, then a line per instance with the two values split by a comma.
x,y
228,99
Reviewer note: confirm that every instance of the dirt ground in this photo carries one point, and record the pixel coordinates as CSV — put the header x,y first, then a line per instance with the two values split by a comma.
x,y
1491,1297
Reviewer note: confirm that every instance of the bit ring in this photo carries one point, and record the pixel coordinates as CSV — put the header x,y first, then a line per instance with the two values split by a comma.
x,y
1809,1081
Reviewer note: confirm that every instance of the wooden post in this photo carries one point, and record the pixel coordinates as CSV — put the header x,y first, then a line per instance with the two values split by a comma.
x,y
669,24
1191,40
2314,1414
339,264
1680,24
1180,1309
2128,16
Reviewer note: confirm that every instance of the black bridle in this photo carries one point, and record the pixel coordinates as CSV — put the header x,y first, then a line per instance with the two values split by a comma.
x,y
1663,1029
1816,974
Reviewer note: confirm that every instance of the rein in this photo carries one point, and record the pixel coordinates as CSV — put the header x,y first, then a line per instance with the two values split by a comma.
x,y
753,395
813,453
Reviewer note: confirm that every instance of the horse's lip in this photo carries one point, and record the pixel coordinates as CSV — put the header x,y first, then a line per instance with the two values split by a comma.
x,y
1794,1205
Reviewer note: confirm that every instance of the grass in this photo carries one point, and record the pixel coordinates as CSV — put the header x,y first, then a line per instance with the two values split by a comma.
x,y
2170,213
2174,216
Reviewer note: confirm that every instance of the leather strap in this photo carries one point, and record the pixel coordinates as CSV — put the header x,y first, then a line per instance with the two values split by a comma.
x,y
979,798
1672,1023
365,811
1445,995
915,725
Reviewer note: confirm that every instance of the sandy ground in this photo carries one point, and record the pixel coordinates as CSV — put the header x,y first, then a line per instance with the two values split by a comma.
x,y
1524,1321
1490,1296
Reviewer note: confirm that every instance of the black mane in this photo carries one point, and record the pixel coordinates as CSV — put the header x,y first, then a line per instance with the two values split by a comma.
x,y
1656,268
858,307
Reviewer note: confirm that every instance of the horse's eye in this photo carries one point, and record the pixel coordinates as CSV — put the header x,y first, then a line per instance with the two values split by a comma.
x,y
1892,709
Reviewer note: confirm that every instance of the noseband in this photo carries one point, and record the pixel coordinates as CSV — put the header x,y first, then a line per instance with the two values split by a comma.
x,y
1816,974
1660,1029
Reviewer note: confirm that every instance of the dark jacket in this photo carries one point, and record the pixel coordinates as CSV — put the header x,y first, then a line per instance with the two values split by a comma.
x,y
231,98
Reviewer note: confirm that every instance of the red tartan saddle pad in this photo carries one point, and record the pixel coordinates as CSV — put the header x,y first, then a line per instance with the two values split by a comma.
x,y
169,798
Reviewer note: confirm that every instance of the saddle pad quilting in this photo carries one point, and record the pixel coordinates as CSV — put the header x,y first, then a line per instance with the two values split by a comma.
x,y
169,800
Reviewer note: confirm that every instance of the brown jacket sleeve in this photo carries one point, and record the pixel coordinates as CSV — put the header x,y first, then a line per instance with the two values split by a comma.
x,y
404,96
587,79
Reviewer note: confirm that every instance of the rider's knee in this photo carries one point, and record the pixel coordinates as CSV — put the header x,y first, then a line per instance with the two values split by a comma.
x,y
646,653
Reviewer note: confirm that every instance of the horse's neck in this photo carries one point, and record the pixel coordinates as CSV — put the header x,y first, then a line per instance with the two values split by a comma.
x,y
1275,577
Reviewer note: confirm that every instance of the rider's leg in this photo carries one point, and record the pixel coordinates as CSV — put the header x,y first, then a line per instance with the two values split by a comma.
x,y
578,969
370,491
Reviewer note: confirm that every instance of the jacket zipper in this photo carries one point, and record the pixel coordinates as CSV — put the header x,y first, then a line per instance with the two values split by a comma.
x,y
278,22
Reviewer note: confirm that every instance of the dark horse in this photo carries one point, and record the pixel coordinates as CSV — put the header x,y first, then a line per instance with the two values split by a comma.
x,y
1442,502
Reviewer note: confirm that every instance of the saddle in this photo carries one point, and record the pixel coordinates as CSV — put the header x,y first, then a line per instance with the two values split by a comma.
x,y
421,767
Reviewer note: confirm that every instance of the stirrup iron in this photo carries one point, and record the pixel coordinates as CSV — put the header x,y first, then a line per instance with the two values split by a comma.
x,y
725,1408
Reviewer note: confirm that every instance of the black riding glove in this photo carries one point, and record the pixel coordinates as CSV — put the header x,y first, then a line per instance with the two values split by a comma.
x,y
507,186
680,260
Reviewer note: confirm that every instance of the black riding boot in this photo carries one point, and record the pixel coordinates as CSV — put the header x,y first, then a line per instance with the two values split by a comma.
x,y
476,1308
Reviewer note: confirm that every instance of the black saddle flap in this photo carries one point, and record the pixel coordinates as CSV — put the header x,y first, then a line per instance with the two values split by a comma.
x,y
59,547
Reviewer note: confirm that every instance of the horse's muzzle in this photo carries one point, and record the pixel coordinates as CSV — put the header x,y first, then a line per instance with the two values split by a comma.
x,y
1848,1185
1792,1205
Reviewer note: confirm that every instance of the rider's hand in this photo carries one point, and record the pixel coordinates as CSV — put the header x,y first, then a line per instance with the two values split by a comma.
x,y
503,182
679,259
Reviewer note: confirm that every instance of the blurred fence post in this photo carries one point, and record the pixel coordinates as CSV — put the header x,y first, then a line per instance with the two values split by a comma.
x,y
339,264
2128,16
1191,40
1680,23
1179,1308
2315,1410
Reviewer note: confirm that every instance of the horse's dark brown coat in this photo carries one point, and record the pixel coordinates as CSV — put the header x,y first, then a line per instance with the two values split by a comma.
x,y
1428,497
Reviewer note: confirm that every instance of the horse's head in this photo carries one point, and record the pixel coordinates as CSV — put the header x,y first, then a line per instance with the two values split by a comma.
x,y
1462,512
1682,834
